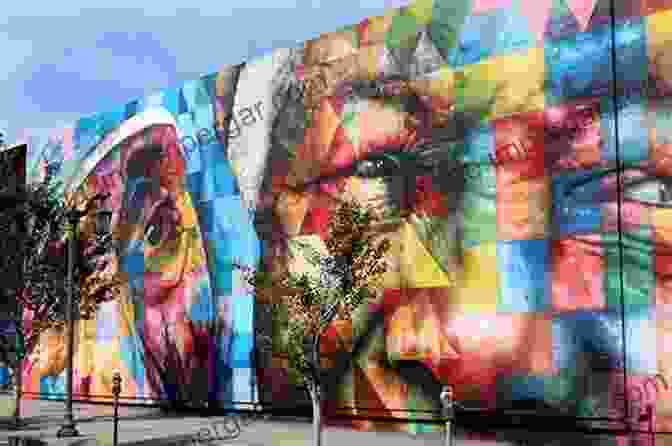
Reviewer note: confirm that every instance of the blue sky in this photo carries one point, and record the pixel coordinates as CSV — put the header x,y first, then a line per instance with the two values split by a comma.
x,y
66,59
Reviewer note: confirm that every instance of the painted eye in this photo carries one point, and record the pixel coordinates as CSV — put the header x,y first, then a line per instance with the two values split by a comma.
x,y
665,191
366,168
153,234
369,88
377,167
161,226
649,192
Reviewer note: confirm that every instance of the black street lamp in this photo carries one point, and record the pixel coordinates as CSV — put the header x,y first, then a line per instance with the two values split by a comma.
x,y
74,216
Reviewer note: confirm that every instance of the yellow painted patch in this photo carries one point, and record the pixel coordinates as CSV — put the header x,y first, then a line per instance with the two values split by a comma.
x,y
477,290
504,85
127,316
662,224
417,267
187,211
378,27
659,29
86,349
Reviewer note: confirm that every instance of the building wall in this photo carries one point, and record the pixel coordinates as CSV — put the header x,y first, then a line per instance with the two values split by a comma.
x,y
529,211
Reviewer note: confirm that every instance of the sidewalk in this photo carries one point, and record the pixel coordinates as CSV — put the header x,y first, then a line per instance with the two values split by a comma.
x,y
139,426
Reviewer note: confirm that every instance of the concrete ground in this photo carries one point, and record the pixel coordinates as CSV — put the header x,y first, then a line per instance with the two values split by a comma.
x,y
148,427
142,426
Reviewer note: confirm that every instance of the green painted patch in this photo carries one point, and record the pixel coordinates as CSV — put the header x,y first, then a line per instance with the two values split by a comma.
x,y
637,270
403,31
447,20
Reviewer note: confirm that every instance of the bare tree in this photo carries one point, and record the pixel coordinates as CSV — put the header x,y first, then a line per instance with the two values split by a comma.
x,y
349,276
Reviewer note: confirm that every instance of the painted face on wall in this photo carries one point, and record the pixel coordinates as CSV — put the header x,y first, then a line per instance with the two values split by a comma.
x,y
160,247
148,333
500,190
375,141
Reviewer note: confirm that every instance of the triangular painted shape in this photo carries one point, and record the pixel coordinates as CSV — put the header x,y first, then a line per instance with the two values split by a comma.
x,y
417,267
582,10
390,64
600,13
538,13
426,58
182,105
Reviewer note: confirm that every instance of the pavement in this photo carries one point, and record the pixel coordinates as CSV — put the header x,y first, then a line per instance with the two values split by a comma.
x,y
147,426
143,426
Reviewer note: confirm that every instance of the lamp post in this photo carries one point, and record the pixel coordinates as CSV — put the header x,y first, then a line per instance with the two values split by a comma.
x,y
69,429
116,390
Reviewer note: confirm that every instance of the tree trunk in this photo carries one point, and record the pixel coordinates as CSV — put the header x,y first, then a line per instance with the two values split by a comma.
x,y
314,390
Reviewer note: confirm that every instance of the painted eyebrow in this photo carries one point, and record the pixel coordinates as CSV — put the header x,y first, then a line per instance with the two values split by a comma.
x,y
427,151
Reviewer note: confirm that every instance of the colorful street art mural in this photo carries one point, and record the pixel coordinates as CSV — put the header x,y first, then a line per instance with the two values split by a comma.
x,y
522,153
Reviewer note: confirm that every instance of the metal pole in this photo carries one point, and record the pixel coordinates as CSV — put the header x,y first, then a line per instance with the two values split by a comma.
x,y
68,429
449,433
448,412
116,390
619,189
